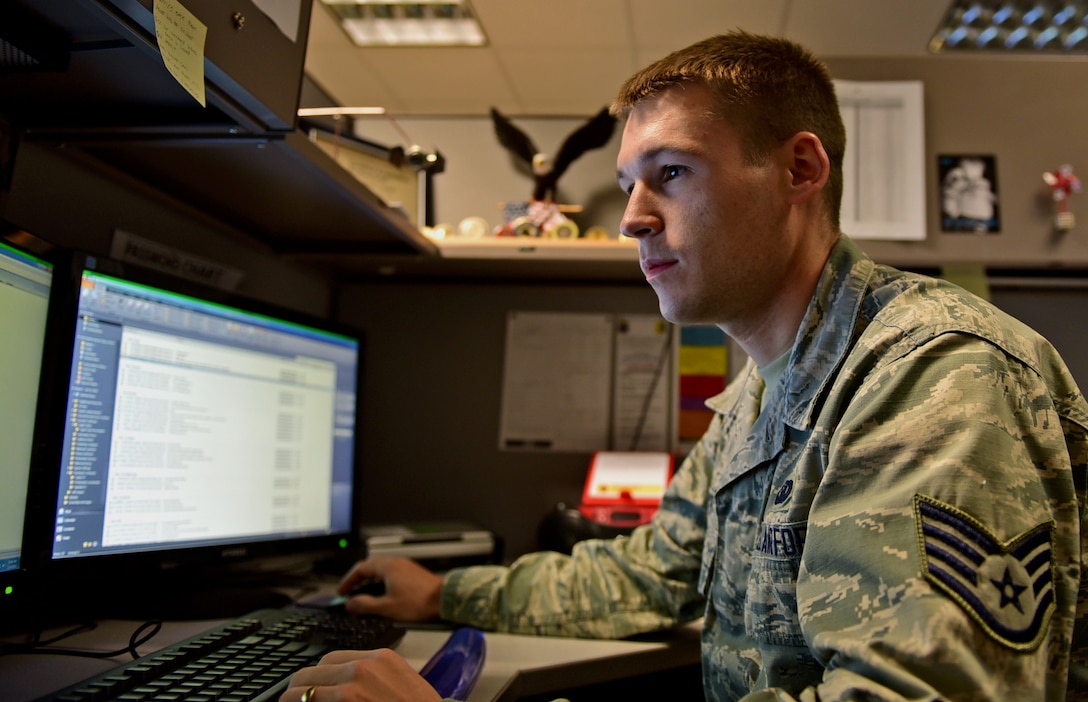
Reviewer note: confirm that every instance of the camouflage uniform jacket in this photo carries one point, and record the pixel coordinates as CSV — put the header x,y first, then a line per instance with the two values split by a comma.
x,y
904,520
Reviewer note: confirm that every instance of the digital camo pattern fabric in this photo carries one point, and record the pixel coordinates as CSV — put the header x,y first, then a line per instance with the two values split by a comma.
x,y
904,519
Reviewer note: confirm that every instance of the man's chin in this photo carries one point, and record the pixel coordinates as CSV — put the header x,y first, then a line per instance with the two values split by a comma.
x,y
671,313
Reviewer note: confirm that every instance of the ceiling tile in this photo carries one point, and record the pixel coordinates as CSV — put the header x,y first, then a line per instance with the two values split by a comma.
x,y
429,77
348,79
553,23
662,27
325,33
581,78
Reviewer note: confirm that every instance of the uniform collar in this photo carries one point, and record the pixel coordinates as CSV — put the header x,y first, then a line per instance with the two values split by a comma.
x,y
827,332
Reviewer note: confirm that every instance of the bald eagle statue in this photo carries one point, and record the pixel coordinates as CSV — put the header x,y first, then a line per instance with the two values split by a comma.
x,y
594,134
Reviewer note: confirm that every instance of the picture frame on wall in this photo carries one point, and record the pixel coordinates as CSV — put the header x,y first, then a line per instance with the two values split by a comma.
x,y
968,194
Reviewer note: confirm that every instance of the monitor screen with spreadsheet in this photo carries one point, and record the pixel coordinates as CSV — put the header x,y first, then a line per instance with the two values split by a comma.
x,y
198,426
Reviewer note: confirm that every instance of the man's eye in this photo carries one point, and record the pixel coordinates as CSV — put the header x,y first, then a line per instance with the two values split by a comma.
x,y
670,172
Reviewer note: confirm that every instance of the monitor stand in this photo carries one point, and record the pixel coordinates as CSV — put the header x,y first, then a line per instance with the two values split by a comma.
x,y
197,602
169,596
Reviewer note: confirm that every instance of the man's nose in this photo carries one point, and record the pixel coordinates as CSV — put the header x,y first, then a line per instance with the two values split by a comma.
x,y
639,219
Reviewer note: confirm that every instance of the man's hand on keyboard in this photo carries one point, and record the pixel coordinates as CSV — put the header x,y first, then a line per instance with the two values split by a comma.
x,y
359,676
412,593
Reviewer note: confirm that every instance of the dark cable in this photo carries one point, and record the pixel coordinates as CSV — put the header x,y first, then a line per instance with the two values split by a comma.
x,y
38,647
86,626
134,641
36,641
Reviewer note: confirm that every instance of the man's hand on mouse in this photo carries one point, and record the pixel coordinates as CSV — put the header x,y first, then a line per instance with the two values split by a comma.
x,y
412,593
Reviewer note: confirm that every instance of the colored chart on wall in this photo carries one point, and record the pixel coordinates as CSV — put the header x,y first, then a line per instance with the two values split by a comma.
x,y
702,365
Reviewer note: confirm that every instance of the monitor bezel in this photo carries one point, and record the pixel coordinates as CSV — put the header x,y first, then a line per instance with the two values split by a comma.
x,y
185,564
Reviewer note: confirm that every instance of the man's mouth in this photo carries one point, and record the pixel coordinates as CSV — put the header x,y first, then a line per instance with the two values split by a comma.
x,y
652,267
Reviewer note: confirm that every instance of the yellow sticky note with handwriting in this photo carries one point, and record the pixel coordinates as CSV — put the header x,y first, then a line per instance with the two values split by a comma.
x,y
181,39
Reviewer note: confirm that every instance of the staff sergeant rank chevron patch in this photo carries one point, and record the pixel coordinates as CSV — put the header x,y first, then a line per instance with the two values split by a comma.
x,y
1007,588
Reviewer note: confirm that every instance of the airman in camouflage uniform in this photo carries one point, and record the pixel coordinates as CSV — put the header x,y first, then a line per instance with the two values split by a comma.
x,y
901,518
890,502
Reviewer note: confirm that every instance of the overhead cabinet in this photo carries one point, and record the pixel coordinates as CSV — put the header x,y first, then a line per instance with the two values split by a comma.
x,y
98,62
88,78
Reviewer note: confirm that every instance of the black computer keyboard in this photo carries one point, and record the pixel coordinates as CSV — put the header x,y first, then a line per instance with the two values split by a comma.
x,y
249,658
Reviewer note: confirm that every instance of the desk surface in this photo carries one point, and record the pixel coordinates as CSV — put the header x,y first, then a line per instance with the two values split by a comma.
x,y
516,666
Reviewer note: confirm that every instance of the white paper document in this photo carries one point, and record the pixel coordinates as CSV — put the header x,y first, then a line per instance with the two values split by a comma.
x,y
642,384
556,381
587,382
884,165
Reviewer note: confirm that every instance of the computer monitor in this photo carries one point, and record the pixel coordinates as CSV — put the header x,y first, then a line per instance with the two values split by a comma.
x,y
200,430
25,281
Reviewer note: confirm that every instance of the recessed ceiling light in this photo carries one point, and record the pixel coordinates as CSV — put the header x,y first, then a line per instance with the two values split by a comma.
x,y
400,23
1056,26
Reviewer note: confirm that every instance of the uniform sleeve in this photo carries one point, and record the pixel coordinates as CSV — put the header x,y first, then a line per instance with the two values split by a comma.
x,y
605,588
943,550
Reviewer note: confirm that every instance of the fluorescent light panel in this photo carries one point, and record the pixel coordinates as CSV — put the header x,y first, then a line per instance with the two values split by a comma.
x,y
1038,26
373,23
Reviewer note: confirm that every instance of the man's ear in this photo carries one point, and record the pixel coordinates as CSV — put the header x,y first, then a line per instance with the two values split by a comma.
x,y
810,167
